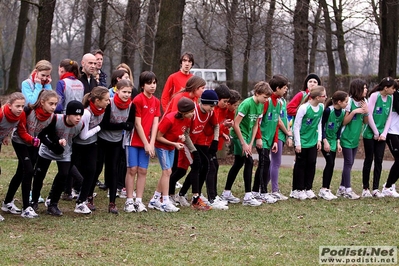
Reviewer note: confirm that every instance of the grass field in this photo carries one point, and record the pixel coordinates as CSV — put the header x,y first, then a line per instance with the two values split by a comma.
x,y
286,233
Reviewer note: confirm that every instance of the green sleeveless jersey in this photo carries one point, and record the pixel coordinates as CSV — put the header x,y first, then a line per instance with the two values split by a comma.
x,y
309,127
380,116
350,134
250,111
332,125
284,118
269,123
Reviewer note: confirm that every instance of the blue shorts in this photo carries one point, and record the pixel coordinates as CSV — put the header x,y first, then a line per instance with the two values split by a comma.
x,y
136,156
165,158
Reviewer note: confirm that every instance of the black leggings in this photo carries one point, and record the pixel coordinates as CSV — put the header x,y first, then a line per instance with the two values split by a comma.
x,y
239,161
372,148
84,157
393,145
262,171
109,153
304,169
27,156
57,187
195,178
176,175
329,168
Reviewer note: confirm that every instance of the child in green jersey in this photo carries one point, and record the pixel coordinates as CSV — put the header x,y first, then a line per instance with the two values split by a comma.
x,y
331,123
243,134
374,134
267,137
356,114
307,138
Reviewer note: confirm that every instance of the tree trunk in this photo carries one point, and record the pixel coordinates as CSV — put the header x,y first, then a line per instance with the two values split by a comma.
x,y
43,32
13,84
389,13
103,23
150,29
88,26
268,40
314,45
329,51
229,49
301,43
168,40
340,33
130,28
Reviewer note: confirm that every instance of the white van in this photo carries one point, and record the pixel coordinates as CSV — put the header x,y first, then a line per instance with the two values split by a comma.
x,y
213,77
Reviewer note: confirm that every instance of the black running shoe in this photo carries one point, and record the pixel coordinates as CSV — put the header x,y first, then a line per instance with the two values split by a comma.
x,y
52,209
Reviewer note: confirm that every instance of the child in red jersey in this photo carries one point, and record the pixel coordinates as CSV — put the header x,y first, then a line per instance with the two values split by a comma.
x,y
172,133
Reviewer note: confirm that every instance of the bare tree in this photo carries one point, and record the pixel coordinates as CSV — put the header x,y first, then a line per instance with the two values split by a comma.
x,y
313,47
329,47
149,36
130,28
88,26
301,43
268,40
43,32
15,67
168,40
103,27
389,13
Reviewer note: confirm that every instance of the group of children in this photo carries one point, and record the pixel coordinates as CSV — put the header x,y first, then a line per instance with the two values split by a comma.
x,y
83,133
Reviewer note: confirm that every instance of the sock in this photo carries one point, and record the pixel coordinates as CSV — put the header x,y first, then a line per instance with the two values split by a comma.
x,y
165,199
129,200
226,193
348,189
248,195
138,200
156,196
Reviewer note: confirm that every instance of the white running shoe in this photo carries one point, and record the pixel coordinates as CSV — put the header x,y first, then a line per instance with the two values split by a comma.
x,y
82,208
230,198
351,195
310,194
178,185
29,213
218,205
390,192
326,194
10,207
129,206
169,207
366,193
122,193
155,204
140,207
268,198
172,200
47,202
224,202
251,202
1,218
341,192
377,194
182,200
74,194
279,196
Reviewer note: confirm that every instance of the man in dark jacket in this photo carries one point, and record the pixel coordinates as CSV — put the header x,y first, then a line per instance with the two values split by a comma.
x,y
88,69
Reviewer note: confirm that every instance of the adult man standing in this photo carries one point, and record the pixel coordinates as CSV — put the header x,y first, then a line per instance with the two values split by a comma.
x,y
88,69
178,80
101,77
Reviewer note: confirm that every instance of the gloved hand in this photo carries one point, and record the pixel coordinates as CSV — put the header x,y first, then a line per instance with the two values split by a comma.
x,y
35,142
214,147
128,126
196,165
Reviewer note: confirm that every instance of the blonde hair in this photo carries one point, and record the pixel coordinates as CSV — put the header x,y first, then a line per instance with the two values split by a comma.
x,y
316,91
43,65
129,71
44,95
